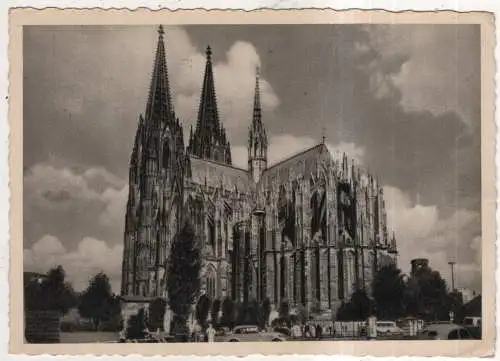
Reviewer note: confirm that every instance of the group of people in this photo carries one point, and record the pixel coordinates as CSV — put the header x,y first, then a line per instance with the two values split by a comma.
x,y
308,330
197,334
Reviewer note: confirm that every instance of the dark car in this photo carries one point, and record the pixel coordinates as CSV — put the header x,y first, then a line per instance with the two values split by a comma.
x,y
283,330
445,332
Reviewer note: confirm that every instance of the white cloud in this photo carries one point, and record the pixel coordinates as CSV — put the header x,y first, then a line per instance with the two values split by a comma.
x,y
73,203
89,258
411,63
234,81
422,233
286,145
116,202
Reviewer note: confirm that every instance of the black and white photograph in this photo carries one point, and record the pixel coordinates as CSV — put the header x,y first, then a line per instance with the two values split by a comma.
x,y
251,183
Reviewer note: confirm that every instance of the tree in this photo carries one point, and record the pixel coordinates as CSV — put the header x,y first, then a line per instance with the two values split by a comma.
x,y
49,292
265,311
97,302
248,313
426,295
358,308
284,310
302,314
157,310
202,310
183,281
214,312
388,292
136,325
228,309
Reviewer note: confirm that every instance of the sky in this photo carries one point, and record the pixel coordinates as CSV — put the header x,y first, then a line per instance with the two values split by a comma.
x,y
403,100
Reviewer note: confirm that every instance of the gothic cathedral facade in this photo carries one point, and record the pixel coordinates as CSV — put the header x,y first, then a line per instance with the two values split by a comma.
x,y
311,229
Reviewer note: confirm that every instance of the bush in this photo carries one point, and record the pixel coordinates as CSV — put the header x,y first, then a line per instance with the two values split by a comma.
x,y
214,313
228,312
157,314
202,310
136,325
265,311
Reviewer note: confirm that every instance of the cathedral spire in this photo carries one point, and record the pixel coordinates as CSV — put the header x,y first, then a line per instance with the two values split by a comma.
x,y
159,107
209,140
257,139
208,114
257,110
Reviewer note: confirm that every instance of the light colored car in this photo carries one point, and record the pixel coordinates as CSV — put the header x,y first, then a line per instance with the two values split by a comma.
x,y
388,328
448,331
250,334
472,321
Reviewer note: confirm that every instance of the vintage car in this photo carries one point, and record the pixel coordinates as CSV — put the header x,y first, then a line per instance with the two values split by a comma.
x,y
246,333
388,328
447,331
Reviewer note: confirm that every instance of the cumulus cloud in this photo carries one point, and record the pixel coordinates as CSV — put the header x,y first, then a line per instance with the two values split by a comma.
x,y
234,79
423,233
411,65
89,258
73,204
116,201
285,145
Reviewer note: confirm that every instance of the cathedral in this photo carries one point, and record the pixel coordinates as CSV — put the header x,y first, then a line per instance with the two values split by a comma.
x,y
311,228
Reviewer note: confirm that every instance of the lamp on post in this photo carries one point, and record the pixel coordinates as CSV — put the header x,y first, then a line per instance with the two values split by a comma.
x,y
452,265
259,213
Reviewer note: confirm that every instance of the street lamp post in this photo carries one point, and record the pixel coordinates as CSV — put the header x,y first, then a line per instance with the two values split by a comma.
x,y
452,265
259,214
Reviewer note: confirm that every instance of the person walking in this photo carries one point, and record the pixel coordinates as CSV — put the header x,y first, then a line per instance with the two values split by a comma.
x,y
210,333
307,333
296,334
319,331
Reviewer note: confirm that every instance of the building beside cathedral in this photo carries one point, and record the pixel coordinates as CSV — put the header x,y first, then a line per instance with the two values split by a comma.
x,y
311,228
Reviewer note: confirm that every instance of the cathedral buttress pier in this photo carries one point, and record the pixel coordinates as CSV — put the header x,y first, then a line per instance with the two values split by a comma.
x,y
310,229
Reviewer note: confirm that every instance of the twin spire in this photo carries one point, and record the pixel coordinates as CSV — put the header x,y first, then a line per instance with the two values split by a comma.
x,y
159,107
209,139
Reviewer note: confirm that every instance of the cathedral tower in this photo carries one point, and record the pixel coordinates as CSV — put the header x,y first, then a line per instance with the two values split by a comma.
x,y
209,138
257,139
154,207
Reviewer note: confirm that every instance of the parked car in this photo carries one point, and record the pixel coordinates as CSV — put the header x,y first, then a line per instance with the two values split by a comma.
x,y
472,321
221,331
283,330
447,331
388,328
246,333
475,332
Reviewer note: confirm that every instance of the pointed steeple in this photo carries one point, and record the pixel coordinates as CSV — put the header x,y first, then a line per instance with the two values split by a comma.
x,y
208,114
209,140
257,109
257,138
159,107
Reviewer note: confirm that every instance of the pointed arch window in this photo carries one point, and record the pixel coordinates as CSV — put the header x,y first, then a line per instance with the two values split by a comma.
x,y
211,280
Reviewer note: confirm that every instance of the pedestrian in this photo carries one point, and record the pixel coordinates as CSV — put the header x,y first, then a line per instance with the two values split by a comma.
x,y
319,331
122,335
296,331
306,330
210,333
312,331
